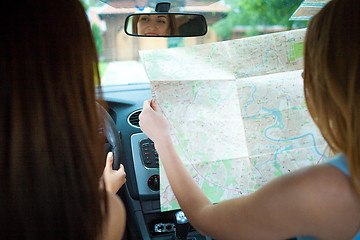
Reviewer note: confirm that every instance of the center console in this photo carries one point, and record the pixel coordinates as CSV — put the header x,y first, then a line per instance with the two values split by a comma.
x,y
146,165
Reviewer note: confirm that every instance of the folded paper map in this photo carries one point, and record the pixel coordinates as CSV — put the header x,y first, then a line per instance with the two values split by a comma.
x,y
237,112
308,9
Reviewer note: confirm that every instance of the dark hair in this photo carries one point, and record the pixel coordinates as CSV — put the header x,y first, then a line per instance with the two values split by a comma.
x,y
135,20
332,78
51,156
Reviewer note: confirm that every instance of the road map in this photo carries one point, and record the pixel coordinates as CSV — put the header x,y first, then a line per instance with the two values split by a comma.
x,y
237,112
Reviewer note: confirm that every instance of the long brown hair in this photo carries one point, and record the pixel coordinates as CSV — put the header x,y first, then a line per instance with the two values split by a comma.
x,y
51,157
332,78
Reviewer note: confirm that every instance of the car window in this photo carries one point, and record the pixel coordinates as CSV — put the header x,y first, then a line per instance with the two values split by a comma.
x,y
227,20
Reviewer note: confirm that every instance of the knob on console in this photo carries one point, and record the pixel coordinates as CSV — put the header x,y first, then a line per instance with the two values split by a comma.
x,y
154,182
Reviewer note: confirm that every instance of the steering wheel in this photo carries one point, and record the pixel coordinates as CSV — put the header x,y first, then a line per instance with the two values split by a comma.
x,y
108,128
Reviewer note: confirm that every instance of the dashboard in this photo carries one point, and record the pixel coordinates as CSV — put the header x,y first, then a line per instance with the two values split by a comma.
x,y
140,194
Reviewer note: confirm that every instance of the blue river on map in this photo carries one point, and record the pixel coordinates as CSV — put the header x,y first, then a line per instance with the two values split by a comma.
x,y
278,124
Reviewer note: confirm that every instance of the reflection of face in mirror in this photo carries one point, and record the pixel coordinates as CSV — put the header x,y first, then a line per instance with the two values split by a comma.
x,y
156,25
165,25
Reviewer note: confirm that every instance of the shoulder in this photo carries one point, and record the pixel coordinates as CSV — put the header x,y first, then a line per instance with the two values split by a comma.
x,y
324,181
327,199
114,226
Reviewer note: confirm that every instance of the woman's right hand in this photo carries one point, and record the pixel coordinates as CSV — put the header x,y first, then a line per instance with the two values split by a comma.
x,y
114,179
153,123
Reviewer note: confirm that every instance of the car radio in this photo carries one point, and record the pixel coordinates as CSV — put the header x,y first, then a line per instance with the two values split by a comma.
x,y
149,155
146,165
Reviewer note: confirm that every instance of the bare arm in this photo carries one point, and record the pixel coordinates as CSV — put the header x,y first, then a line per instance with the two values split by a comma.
x,y
114,226
303,203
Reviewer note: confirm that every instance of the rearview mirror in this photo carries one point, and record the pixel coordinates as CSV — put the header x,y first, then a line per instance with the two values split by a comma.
x,y
165,25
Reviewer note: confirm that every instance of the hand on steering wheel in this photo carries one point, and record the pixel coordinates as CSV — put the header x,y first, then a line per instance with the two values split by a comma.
x,y
114,179
114,173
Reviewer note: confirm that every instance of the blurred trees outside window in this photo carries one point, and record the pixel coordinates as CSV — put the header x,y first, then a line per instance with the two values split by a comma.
x,y
256,14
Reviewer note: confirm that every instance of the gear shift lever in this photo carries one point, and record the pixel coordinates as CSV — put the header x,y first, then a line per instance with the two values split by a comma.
x,y
181,226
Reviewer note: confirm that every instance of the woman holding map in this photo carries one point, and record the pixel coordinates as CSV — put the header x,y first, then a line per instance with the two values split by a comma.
x,y
321,201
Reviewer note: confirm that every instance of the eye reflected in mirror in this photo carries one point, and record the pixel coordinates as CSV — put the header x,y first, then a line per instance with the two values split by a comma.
x,y
166,25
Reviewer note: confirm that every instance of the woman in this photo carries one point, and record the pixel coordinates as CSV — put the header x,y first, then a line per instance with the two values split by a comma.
x,y
155,24
51,155
321,201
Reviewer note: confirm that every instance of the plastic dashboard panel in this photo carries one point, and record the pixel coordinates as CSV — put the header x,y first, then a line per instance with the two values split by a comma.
x,y
142,173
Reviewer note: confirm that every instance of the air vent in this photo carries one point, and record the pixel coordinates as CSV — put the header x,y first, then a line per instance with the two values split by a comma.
x,y
133,118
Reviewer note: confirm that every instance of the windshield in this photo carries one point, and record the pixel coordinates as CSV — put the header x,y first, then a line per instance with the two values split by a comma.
x,y
120,62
